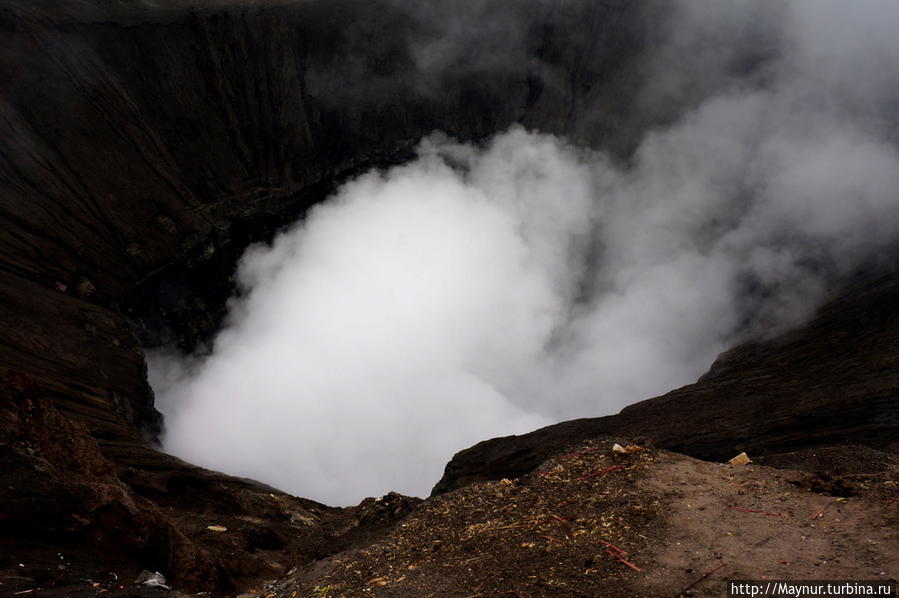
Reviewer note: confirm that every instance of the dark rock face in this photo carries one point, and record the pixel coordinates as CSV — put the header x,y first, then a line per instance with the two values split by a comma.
x,y
143,151
831,382
130,147
140,159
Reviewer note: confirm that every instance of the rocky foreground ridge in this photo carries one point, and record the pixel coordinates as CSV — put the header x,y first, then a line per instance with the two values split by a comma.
x,y
141,155
592,522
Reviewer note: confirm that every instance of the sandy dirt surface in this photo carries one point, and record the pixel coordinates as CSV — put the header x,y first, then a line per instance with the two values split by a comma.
x,y
650,523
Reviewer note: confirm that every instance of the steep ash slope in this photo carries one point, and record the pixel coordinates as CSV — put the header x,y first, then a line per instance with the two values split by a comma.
x,y
141,155
128,147
142,151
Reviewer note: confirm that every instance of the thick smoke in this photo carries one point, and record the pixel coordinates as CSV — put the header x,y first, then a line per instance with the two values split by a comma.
x,y
480,291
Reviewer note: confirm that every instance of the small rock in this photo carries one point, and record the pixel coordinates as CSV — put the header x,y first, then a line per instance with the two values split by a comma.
x,y
617,448
151,579
741,459
86,288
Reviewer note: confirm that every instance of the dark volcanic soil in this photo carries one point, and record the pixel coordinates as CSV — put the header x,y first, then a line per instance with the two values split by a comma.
x,y
652,525
140,156
142,150
71,517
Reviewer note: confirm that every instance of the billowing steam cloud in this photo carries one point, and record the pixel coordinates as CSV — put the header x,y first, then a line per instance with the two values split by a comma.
x,y
484,291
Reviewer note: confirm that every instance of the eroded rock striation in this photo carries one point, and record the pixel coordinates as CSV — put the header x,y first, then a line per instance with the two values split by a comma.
x,y
142,151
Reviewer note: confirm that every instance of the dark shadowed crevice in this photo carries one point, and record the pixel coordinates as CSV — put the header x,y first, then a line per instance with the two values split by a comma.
x,y
183,304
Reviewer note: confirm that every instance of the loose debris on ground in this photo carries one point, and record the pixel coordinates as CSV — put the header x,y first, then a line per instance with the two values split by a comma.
x,y
573,528
617,523
604,518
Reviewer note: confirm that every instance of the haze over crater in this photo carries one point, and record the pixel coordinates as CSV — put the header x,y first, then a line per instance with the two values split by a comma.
x,y
485,290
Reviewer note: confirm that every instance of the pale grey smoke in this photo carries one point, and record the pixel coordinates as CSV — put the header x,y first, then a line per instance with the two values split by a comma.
x,y
390,328
479,292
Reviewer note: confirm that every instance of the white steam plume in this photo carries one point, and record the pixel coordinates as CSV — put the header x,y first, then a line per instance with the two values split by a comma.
x,y
477,292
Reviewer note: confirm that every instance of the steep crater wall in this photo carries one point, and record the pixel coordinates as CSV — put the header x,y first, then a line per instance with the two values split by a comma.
x,y
140,159
141,155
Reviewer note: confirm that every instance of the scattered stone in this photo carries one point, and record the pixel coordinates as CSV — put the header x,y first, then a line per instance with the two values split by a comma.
x,y
86,288
741,459
153,579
